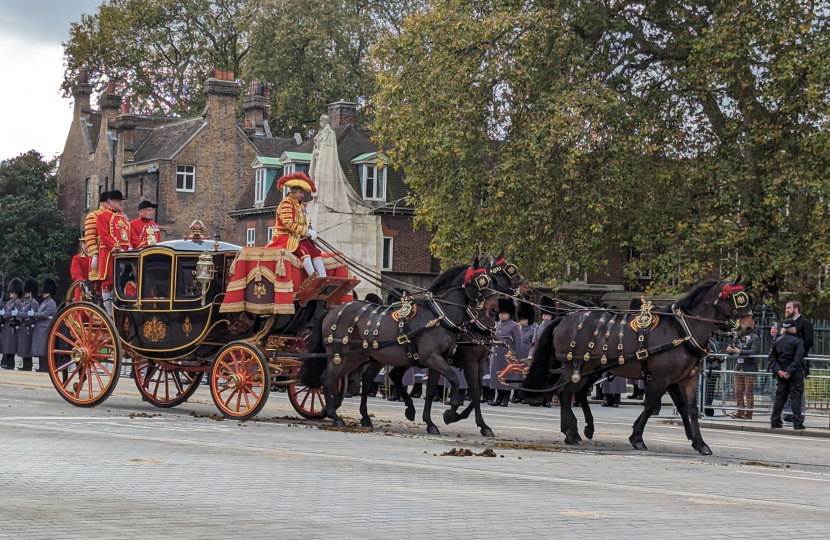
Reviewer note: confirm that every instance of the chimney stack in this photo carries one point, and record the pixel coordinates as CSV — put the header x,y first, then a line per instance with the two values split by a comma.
x,y
81,92
221,93
342,114
110,103
255,105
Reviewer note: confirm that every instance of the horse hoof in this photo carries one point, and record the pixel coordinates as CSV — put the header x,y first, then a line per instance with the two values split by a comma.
x,y
705,450
578,438
339,423
639,445
571,440
433,430
487,432
450,417
410,414
365,422
589,433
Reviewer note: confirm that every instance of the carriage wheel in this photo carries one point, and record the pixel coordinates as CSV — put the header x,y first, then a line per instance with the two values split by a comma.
x,y
309,402
165,384
84,354
239,381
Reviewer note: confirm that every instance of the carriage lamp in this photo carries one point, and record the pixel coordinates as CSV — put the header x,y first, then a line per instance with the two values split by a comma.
x,y
205,270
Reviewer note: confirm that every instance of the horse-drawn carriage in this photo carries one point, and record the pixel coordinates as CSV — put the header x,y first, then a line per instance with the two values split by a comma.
x,y
169,326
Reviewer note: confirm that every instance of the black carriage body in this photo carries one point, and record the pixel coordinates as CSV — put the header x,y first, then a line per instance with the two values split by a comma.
x,y
157,304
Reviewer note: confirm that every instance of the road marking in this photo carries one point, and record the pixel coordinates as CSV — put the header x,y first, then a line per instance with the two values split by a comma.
x,y
785,476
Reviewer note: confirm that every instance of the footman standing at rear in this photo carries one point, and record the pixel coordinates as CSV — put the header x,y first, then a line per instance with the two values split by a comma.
x,y
143,230
114,236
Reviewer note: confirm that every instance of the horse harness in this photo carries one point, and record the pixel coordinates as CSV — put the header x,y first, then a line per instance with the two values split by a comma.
x,y
404,312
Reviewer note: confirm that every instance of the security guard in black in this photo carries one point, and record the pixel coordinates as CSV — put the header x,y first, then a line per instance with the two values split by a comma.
x,y
786,361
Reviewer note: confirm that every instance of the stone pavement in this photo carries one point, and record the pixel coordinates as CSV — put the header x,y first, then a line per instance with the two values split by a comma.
x,y
99,473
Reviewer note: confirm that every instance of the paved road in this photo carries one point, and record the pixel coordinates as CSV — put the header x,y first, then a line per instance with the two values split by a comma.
x,y
83,473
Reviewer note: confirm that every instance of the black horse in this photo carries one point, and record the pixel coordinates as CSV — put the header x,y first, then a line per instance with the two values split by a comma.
x,y
417,333
664,347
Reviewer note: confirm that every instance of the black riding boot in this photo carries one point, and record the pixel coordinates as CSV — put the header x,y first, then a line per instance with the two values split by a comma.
x,y
41,365
27,364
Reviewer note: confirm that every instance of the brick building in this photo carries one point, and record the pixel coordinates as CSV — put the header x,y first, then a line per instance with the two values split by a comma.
x,y
193,168
404,253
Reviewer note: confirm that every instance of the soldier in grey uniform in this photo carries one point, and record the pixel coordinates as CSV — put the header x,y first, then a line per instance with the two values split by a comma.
x,y
508,333
526,315
24,333
43,319
547,307
10,312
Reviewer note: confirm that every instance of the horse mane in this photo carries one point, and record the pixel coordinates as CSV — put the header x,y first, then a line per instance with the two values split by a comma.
x,y
696,295
446,279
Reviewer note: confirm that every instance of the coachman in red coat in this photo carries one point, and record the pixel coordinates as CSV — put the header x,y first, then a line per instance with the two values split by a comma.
x,y
114,236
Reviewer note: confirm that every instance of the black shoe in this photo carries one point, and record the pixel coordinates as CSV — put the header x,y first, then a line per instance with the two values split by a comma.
x,y
709,412
493,403
799,426
436,399
515,400
415,396
392,397
6,367
632,396
42,370
779,425
616,406
546,404
503,403
788,418
604,404
373,394
348,395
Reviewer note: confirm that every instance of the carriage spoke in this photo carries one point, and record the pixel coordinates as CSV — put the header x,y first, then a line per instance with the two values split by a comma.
x,y
66,339
69,379
97,363
156,388
97,376
239,401
178,383
230,397
248,403
306,395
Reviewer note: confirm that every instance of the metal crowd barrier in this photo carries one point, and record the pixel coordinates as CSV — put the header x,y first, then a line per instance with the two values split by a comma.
x,y
719,394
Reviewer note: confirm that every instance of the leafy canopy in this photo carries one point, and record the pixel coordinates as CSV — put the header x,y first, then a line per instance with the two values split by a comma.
x,y
691,136
34,236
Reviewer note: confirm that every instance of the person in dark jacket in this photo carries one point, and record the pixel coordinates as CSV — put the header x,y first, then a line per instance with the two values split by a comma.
x,y
526,315
743,351
510,335
24,335
786,360
804,331
10,313
43,319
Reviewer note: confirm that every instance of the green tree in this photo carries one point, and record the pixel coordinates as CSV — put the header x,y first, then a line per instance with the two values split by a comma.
x,y
34,236
692,135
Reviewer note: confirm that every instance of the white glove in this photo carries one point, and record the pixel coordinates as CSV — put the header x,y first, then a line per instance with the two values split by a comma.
x,y
94,264
30,313
14,312
311,234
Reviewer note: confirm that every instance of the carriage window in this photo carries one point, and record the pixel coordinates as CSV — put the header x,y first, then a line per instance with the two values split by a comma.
x,y
187,287
125,278
155,276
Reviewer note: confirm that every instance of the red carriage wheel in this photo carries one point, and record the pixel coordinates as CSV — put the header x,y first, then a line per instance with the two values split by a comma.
x,y
165,384
84,354
239,381
308,402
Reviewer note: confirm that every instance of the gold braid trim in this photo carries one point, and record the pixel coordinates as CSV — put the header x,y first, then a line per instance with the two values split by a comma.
x,y
258,309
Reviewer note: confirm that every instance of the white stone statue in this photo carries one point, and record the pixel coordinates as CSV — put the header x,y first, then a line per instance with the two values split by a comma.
x,y
333,189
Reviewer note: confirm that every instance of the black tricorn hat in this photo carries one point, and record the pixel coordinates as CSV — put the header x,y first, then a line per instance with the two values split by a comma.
x,y
16,286
506,305
104,196
31,286
50,287
115,195
526,311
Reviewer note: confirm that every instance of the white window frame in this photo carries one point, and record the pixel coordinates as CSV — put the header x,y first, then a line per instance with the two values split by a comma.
x,y
270,234
391,253
288,168
378,180
88,193
582,279
181,170
250,237
260,184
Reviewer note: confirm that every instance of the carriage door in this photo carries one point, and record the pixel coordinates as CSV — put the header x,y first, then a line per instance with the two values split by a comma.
x,y
156,282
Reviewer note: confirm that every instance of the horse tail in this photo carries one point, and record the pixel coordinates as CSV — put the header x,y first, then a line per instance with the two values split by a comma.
x,y
544,359
313,368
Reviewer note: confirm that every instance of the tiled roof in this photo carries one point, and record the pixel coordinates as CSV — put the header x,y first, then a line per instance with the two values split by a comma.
x,y
166,140
274,147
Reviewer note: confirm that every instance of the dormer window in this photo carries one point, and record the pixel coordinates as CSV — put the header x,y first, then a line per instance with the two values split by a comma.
x,y
260,187
373,182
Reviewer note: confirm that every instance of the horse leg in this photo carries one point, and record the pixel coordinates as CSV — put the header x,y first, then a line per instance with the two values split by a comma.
x,y
688,388
432,387
653,397
682,407
568,419
397,377
582,399
437,362
331,384
474,383
368,377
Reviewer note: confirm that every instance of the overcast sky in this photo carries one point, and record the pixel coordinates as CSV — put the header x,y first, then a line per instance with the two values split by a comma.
x,y
33,115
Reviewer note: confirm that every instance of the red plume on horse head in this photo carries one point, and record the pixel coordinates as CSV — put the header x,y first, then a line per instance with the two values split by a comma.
x,y
729,289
